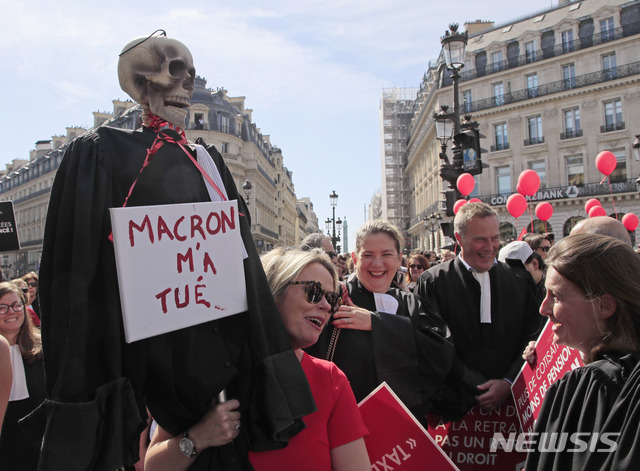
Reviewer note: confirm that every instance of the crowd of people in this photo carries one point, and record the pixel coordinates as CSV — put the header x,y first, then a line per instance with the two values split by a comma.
x,y
445,335
276,386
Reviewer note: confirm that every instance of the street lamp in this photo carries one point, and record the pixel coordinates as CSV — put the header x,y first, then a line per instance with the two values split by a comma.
x,y
453,45
335,238
246,188
432,224
445,124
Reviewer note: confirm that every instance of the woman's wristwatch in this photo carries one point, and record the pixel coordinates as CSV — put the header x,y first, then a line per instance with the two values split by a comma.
x,y
187,447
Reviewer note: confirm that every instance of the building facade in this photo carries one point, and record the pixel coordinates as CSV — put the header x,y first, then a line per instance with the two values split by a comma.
x,y
278,217
550,91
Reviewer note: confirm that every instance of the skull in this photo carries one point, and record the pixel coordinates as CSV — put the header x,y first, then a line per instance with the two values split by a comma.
x,y
158,73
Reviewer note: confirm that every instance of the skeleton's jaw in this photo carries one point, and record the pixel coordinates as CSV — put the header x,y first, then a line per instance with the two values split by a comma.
x,y
174,112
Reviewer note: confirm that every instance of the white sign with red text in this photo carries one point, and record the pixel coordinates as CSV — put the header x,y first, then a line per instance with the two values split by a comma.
x,y
531,384
178,265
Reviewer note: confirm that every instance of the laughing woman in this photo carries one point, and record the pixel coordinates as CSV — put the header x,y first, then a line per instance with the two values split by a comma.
x,y
384,334
304,287
593,301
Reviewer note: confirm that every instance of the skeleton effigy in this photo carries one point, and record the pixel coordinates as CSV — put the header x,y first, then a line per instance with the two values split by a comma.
x,y
99,386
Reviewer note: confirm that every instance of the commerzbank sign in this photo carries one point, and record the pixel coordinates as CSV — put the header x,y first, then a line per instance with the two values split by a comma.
x,y
571,191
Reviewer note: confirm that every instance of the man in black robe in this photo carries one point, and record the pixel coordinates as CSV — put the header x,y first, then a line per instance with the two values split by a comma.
x,y
490,311
98,386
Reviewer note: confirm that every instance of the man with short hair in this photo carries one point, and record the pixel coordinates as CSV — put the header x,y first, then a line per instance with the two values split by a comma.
x,y
432,257
491,313
320,241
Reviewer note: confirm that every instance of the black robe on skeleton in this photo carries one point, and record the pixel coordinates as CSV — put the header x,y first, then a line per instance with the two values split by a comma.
x,y
97,385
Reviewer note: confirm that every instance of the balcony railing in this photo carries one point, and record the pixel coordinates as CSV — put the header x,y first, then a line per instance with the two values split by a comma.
x,y
434,207
31,243
570,134
532,141
268,233
497,147
560,86
547,53
612,127
568,191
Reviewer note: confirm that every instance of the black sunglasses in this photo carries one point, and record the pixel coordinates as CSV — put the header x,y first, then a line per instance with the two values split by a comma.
x,y
416,266
314,291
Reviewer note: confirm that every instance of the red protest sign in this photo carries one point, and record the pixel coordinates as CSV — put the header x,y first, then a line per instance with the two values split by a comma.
x,y
531,384
396,440
471,443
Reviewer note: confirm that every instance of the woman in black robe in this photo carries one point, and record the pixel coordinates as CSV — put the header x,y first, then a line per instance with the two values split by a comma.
x,y
382,333
593,300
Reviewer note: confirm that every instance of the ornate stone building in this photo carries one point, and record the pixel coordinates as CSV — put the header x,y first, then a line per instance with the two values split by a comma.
x,y
278,217
550,91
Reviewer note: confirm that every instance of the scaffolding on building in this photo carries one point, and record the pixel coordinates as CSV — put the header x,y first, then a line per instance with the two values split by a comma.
x,y
397,109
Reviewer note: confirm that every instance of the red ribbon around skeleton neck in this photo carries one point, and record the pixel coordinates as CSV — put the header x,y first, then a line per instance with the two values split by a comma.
x,y
159,125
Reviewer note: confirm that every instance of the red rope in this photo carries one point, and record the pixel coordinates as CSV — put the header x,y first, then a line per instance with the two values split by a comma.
x,y
158,126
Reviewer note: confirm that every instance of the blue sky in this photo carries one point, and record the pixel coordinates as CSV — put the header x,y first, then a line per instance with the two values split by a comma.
x,y
312,71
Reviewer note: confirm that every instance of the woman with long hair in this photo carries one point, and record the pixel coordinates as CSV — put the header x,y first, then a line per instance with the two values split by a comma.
x,y
27,390
593,301
416,265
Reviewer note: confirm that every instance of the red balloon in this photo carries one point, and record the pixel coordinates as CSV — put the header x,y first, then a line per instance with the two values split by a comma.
x,y
475,200
590,204
630,221
544,211
528,182
606,162
516,205
465,183
457,205
597,211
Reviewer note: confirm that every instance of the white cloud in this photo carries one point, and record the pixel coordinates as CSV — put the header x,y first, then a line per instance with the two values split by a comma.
x,y
312,71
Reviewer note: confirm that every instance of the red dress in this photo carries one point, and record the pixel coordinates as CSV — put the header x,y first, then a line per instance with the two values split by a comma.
x,y
336,422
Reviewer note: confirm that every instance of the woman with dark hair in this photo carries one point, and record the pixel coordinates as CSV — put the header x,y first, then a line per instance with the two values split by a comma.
x,y
593,301
416,265
31,279
382,333
27,390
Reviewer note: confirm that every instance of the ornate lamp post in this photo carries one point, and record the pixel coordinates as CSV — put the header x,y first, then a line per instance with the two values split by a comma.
x,y
432,224
335,238
445,124
453,46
